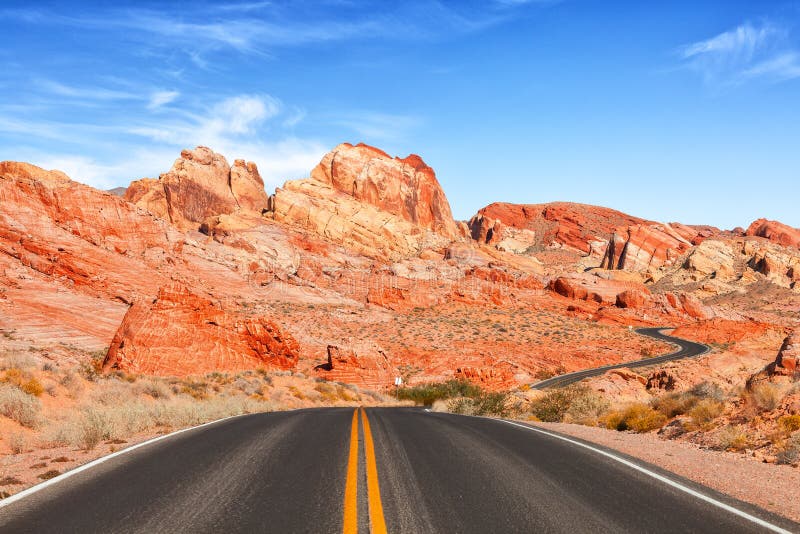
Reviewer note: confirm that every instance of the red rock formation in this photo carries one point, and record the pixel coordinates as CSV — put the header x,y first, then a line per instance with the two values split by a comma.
x,y
180,333
595,289
775,231
406,187
646,246
67,230
200,185
632,298
369,202
786,361
367,367
576,226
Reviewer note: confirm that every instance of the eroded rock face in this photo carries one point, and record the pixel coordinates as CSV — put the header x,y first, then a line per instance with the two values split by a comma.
x,y
516,227
645,246
366,366
369,202
181,333
69,231
776,232
406,187
200,185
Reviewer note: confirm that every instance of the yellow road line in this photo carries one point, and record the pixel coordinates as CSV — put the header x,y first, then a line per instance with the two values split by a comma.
x,y
377,523
351,485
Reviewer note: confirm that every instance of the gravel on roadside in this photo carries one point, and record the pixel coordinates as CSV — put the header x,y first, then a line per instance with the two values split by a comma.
x,y
769,486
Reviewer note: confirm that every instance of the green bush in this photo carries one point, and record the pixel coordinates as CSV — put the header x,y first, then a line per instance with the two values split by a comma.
x,y
555,404
427,394
491,403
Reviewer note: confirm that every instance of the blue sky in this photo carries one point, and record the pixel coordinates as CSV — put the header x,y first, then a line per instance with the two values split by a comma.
x,y
686,111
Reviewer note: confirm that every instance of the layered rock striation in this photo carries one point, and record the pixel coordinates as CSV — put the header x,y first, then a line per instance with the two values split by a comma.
x,y
181,333
376,205
201,184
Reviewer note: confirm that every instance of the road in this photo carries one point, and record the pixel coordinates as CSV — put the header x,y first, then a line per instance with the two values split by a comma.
x,y
409,471
687,349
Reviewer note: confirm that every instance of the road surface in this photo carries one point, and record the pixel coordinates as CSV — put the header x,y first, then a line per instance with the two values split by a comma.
x,y
687,349
409,471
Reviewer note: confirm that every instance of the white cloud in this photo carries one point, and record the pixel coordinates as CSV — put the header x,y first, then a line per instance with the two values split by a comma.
x,y
90,93
241,114
138,163
742,41
378,126
162,98
744,53
234,127
784,67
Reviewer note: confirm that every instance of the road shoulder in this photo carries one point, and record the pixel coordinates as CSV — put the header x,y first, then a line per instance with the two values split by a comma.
x,y
767,486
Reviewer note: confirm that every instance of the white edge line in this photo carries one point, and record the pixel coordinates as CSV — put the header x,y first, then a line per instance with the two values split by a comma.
x,y
661,478
42,485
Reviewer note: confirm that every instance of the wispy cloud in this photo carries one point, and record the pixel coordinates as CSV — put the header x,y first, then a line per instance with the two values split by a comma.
x,y
374,126
259,27
782,67
744,53
237,127
89,93
162,98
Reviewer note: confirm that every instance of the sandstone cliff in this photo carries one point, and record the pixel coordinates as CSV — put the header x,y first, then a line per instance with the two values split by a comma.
x,y
200,185
517,227
369,202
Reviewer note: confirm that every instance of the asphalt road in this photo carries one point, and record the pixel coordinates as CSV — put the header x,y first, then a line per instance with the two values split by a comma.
x,y
687,349
324,471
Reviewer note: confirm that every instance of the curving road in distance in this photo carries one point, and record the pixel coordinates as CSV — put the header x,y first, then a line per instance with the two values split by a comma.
x,y
686,349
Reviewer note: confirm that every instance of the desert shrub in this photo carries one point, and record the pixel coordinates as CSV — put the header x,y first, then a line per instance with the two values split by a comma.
x,y
704,413
673,404
19,406
112,392
555,403
732,438
790,452
154,388
708,390
638,417
587,408
73,383
195,388
491,403
248,387
17,441
766,396
461,405
17,360
789,423
427,394
93,427
32,387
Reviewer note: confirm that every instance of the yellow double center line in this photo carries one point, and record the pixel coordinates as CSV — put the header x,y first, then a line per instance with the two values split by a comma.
x,y
376,520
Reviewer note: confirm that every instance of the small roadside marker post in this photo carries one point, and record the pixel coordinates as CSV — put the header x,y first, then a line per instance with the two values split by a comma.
x,y
398,381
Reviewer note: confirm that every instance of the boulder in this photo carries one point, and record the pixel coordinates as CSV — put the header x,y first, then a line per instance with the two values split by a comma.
x,y
180,333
